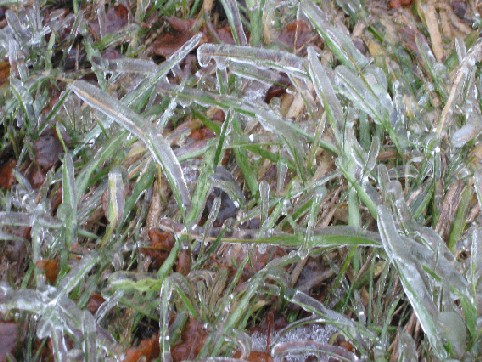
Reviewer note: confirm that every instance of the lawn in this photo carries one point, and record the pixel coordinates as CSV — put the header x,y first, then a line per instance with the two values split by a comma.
x,y
257,180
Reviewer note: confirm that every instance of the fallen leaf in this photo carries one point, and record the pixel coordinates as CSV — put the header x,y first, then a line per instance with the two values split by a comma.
x,y
225,36
50,268
255,356
47,149
147,350
159,247
168,43
6,174
8,339
192,340
55,198
201,134
395,4
4,72
278,88
183,262
36,176
298,35
180,24
116,18
95,301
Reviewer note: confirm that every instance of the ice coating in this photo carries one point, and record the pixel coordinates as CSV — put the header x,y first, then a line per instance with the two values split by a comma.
x,y
134,123
234,17
339,43
255,57
401,251
464,75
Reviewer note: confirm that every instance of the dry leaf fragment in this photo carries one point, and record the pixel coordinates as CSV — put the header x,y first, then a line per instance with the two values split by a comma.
x,y
183,262
167,44
192,340
50,268
47,149
8,339
147,350
159,247
116,18
6,174
395,4
201,134
298,35
95,301
4,72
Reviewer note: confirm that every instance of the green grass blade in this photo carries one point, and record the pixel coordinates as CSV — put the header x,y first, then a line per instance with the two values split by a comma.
x,y
134,123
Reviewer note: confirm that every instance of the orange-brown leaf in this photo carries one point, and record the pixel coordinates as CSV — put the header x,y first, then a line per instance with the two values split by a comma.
x,y
6,174
94,302
4,72
148,349
159,246
50,268
255,356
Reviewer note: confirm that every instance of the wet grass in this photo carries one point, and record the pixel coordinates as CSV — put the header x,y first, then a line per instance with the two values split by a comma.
x,y
366,167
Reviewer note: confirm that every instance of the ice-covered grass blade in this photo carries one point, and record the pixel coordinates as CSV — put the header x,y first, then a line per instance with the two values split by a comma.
x,y
400,250
338,42
256,57
134,123
231,8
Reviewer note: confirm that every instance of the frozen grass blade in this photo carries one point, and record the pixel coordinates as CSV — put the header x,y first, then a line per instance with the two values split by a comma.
x,y
338,42
265,116
106,152
68,210
464,73
145,89
231,8
256,57
202,187
115,203
355,332
410,257
330,237
325,92
134,123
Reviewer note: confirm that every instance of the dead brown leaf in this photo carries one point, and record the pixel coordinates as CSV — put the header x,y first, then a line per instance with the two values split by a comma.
x,y
159,247
192,340
298,35
8,339
395,4
47,149
116,18
6,174
147,350
4,72
51,269
95,301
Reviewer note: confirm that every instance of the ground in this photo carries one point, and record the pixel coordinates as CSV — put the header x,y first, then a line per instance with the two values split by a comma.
x,y
259,180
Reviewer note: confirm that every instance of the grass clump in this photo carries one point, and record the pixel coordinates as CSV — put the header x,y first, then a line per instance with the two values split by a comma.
x,y
177,175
